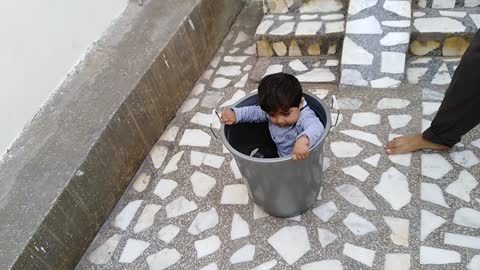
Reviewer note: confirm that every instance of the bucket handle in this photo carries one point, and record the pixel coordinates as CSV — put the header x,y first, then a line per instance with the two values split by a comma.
x,y
335,106
214,113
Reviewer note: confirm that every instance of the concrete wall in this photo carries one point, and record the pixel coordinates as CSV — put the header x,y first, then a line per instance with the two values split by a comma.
x,y
41,41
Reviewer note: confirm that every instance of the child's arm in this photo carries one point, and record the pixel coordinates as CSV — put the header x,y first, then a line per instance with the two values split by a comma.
x,y
312,130
248,114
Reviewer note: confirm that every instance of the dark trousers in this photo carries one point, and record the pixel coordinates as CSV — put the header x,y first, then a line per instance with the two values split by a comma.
x,y
460,109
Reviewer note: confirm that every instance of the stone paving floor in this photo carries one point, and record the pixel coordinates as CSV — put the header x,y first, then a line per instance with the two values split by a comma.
x,y
188,207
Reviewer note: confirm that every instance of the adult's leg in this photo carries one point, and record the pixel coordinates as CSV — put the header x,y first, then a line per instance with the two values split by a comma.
x,y
458,113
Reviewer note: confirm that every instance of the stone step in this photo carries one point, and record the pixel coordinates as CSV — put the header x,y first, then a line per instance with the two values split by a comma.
x,y
431,71
376,43
307,69
303,6
443,32
446,4
300,34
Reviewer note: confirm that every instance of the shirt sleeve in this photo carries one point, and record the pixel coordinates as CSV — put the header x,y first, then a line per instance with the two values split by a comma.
x,y
250,114
311,126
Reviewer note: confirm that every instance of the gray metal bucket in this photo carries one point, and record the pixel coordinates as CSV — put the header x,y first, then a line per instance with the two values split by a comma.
x,y
282,187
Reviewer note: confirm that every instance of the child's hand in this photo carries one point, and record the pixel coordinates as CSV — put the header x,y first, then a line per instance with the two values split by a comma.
x,y
300,149
228,117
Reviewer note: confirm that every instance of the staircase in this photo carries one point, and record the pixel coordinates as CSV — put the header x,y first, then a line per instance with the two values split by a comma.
x,y
369,43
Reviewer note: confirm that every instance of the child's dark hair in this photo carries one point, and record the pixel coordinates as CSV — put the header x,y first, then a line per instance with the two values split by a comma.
x,y
279,92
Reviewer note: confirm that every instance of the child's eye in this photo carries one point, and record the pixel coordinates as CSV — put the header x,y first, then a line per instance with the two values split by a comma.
x,y
286,114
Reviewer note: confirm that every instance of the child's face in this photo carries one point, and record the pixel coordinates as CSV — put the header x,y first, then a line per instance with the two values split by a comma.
x,y
286,118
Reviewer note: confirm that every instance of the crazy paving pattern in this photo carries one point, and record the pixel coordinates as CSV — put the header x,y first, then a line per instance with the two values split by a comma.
x,y
188,206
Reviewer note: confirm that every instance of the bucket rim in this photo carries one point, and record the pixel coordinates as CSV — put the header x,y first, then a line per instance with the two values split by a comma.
x,y
320,142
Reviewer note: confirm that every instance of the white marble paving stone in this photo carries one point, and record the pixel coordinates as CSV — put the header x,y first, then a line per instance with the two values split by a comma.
x,y
362,135
164,188
349,103
141,182
297,65
359,254
235,169
426,124
263,27
395,38
284,29
103,253
456,14
244,254
385,82
158,155
354,54
462,187
392,103
212,266
317,75
373,160
357,172
147,217
285,17
334,27
438,25
414,75
355,196
400,230
316,6
235,59
195,137
189,105
397,261
429,222
402,8
358,225
180,206
358,6
240,227
461,240
229,71
465,158
204,119
399,24
344,149
476,143
133,249
280,48
213,161
272,69
320,93
172,164
163,259
475,18
241,83
202,184
467,217
364,119
331,63
220,82
325,211
291,242
393,187
352,77
123,219
332,17
429,94
207,246
399,121
251,50
170,134
308,28
307,17
211,99
266,265
433,193
431,255
241,37
204,221
474,263
443,4
326,237
368,25
234,194
239,94
326,264
393,62
430,107
198,88
442,77
215,60
422,60
247,68
258,212
168,233
402,159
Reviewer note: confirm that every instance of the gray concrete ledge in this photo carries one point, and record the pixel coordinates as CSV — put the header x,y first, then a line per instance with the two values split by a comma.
x,y
65,173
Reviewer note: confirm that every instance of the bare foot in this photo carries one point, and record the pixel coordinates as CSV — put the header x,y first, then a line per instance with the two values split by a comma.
x,y
411,143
